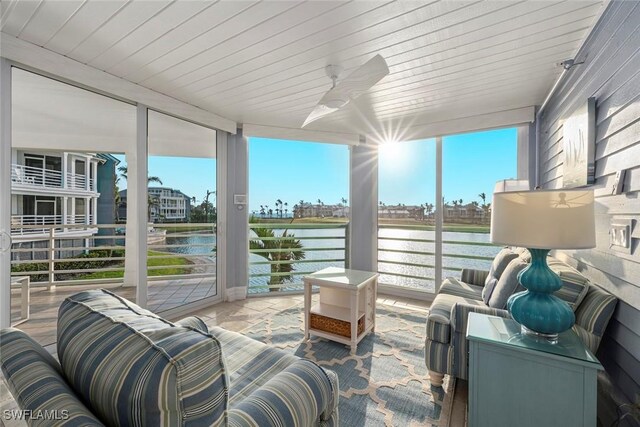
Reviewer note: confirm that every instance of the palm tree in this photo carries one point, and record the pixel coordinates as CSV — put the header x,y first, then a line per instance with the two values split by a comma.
x,y
344,200
483,197
286,208
124,171
301,208
279,207
270,213
280,252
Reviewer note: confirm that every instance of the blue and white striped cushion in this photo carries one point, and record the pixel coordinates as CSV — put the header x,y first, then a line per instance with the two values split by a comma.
x,y
270,387
36,381
574,285
137,369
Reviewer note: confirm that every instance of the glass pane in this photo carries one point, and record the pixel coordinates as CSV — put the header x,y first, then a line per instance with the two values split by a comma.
x,y
406,247
472,163
62,223
182,212
299,211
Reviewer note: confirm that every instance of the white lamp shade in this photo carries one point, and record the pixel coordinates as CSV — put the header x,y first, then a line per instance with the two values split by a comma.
x,y
544,219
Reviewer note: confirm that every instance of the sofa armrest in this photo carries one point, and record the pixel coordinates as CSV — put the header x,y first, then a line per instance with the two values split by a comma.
x,y
36,382
301,395
193,322
460,315
474,277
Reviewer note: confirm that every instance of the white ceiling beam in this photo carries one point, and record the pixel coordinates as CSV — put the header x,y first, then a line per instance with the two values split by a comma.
x,y
262,131
57,65
499,119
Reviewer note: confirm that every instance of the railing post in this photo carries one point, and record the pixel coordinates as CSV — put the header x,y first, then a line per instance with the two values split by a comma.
x,y
52,256
347,244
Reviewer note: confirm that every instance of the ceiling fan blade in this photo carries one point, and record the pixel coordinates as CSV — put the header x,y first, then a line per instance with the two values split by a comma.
x,y
318,112
362,79
354,85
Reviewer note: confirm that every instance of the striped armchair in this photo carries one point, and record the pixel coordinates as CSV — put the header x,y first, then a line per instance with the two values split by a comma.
x,y
121,365
446,347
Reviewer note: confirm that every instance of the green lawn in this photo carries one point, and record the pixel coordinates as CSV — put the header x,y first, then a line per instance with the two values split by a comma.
x,y
152,262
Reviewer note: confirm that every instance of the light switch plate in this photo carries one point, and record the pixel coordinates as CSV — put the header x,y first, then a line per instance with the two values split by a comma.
x,y
620,235
618,182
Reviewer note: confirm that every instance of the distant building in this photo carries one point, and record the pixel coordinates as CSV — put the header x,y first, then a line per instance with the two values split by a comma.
x,y
56,188
166,205
401,211
469,211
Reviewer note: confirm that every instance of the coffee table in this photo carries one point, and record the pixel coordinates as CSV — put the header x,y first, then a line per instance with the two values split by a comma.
x,y
347,303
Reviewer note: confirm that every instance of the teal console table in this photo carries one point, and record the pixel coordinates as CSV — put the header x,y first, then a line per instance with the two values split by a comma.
x,y
520,380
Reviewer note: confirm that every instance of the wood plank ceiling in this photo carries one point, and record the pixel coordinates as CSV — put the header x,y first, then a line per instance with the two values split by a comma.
x,y
263,62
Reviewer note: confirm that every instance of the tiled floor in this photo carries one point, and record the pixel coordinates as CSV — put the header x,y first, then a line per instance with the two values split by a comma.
x,y
240,315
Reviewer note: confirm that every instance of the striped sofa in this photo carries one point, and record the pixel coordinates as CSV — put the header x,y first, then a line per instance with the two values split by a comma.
x,y
446,347
121,365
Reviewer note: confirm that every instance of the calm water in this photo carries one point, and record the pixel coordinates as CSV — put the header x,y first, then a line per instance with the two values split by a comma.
x,y
450,263
203,245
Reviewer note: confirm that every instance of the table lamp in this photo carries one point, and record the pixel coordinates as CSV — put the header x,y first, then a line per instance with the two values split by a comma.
x,y
541,220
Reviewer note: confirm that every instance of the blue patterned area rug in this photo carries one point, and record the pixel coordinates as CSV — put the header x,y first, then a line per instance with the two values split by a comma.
x,y
385,382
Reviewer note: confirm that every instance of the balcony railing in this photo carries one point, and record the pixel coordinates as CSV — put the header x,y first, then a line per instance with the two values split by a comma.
x,y
406,255
48,178
37,177
28,224
323,245
176,251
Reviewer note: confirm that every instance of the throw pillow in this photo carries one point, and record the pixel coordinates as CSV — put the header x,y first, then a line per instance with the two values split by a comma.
x,y
507,284
499,264
574,285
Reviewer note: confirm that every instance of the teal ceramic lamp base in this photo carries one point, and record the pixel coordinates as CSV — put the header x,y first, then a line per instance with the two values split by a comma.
x,y
539,311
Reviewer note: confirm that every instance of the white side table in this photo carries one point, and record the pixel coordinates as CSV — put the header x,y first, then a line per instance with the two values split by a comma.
x,y
24,283
345,296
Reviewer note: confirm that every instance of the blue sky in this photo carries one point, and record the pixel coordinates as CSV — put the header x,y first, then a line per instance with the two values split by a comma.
x,y
471,164
192,176
294,170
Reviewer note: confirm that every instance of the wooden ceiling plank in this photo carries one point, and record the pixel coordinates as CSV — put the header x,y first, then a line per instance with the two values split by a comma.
x,y
307,17
135,68
19,16
530,43
435,42
162,23
314,51
91,17
122,23
169,65
48,20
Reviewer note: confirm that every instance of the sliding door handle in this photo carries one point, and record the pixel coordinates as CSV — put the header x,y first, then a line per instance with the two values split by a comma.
x,y
5,241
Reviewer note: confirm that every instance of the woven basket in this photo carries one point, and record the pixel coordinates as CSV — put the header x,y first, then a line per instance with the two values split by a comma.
x,y
335,326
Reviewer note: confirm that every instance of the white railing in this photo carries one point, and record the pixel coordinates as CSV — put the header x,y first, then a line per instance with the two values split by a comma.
x,y
79,182
48,178
176,251
29,224
38,177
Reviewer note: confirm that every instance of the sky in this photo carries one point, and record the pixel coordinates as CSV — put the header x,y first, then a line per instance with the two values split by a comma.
x,y
295,170
192,176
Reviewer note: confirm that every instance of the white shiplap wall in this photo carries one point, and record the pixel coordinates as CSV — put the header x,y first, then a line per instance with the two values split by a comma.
x,y
611,74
